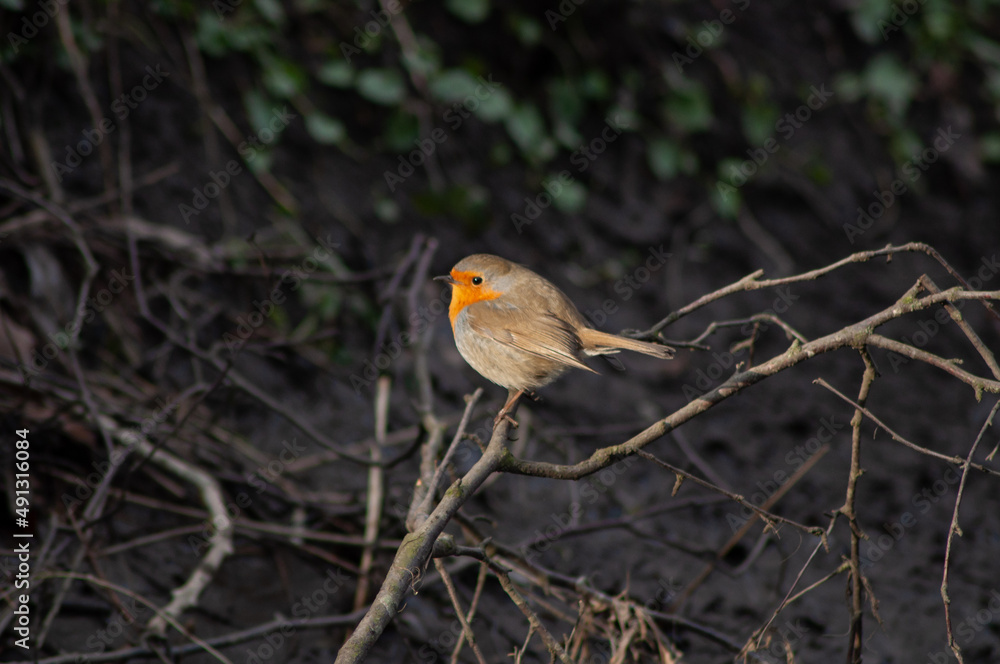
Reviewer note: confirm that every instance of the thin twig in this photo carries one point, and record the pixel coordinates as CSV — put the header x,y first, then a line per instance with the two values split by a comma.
x,y
748,524
415,551
855,641
770,518
963,324
954,528
848,337
752,281
553,646
900,439
467,633
161,614
376,491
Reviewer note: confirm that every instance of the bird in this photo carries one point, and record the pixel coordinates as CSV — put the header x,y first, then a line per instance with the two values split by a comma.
x,y
519,331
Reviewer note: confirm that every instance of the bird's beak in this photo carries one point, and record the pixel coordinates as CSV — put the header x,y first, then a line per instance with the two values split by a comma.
x,y
447,278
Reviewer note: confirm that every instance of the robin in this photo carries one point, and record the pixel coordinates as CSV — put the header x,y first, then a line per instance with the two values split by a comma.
x,y
519,330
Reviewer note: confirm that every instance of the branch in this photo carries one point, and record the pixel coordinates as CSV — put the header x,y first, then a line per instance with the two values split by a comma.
x,y
852,336
416,549
954,528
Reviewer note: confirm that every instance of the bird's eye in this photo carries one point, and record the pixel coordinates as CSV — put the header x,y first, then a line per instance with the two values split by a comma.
x,y
476,281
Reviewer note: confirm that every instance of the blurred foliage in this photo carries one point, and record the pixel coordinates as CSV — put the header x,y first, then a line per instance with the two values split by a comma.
x,y
406,69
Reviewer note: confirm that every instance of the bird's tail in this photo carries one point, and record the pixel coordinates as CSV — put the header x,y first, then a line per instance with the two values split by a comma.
x,y
595,342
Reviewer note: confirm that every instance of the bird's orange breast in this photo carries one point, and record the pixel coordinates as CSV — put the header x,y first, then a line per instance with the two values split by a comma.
x,y
464,293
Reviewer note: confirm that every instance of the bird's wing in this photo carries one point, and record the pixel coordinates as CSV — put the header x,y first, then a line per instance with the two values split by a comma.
x,y
545,336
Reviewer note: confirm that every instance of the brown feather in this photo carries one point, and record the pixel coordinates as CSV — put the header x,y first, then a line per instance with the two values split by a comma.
x,y
596,342
546,337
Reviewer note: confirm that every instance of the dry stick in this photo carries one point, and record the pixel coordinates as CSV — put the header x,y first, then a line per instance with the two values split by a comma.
x,y
751,282
768,517
95,564
185,596
247,386
851,336
233,638
161,614
213,155
551,579
789,598
954,528
425,490
899,439
385,297
467,632
416,549
421,369
225,368
951,366
710,329
697,460
480,584
376,492
92,269
78,63
745,528
857,586
555,650
963,324
38,217
228,128
411,48
97,501
125,175
41,562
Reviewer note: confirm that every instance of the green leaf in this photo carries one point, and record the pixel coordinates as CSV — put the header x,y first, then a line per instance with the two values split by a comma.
x,y
325,129
689,108
866,16
470,11
725,199
729,171
381,86
572,198
758,122
425,60
664,158
211,35
259,108
497,106
595,84
401,129
271,10
847,87
887,79
989,147
527,30
527,129
565,102
453,85
387,210
283,78
336,73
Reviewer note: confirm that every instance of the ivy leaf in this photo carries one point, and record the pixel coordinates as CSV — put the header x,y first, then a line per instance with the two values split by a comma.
x,y
470,11
381,86
325,129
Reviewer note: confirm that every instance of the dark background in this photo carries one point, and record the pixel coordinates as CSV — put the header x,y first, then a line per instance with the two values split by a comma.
x,y
746,135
